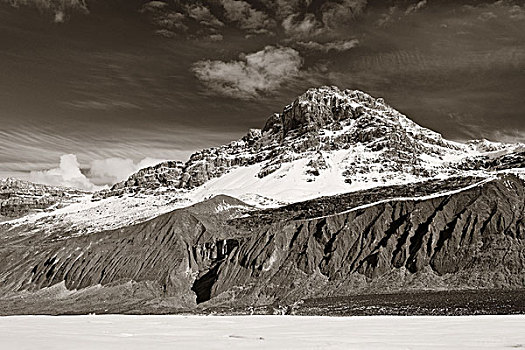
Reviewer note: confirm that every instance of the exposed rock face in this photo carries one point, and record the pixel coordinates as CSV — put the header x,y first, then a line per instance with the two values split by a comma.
x,y
321,121
163,174
456,222
320,107
326,142
221,251
18,197
495,161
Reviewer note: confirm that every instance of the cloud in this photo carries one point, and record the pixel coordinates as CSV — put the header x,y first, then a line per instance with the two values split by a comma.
x,y
387,18
417,62
67,174
302,26
415,7
203,16
517,13
341,45
170,21
487,15
215,37
101,172
303,20
283,8
102,105
508,136
335,14
112,170
248,18
255,73
395,13
60,8
59,17
297,18
502,9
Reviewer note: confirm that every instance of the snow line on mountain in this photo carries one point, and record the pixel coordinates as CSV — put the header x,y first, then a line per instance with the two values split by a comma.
x,y
420,198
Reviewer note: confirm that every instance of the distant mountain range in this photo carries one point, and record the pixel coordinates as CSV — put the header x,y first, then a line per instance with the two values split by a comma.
x,y
339,194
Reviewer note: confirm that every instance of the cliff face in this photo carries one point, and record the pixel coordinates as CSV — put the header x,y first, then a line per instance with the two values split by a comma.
x,y
315,126
472,239
223,252
18,197
326,142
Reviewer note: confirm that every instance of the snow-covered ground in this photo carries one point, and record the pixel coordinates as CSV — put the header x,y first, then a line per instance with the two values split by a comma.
x,y
261,332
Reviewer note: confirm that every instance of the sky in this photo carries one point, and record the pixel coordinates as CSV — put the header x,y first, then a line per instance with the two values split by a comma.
x,y
92,90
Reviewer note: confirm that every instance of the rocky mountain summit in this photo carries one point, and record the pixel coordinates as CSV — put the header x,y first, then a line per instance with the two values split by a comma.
x,y
342,136
326,142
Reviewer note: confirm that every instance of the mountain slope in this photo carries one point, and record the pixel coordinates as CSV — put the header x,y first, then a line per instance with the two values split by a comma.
x,y
326,142
18,198
339,194
222,252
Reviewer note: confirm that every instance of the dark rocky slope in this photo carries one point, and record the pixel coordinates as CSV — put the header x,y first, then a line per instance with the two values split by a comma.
x,y
473,239
210,253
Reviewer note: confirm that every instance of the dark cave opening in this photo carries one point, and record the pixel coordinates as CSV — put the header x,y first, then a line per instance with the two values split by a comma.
x,y
203,285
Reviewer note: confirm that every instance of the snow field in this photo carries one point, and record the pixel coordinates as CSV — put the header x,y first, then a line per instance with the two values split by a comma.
x,y
261,332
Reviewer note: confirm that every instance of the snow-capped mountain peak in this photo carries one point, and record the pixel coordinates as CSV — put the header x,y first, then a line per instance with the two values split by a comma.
x,y
342,136
326,142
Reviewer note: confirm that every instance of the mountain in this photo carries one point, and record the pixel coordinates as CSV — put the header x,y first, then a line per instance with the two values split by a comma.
x,y
223,253
19,198
337,195
326,142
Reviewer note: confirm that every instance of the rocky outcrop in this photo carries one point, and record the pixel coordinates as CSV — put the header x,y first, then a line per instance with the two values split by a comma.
x,y
221,252
327,141
466,231
495,162
18,197
318,108
324,119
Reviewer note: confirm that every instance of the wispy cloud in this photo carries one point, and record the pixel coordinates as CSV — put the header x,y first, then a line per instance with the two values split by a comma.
x,y
302,26
102,105
510,136
171,22
340,45
203,16
415,7
501,9
398,13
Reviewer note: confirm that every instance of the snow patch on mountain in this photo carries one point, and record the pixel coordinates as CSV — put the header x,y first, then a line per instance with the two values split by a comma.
x,y
327,142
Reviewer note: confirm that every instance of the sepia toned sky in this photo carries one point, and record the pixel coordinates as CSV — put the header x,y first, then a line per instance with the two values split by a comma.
x,y
92,90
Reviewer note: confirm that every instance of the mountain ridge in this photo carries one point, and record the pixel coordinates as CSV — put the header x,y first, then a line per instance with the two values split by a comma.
x,y
337,195
326,142
471,236
315,120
